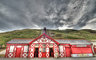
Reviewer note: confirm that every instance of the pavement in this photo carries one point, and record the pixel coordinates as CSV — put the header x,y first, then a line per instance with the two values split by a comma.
x,y
83,58
89,58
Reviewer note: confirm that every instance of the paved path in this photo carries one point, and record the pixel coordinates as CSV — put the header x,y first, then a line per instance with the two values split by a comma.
x,y
3,52
90,58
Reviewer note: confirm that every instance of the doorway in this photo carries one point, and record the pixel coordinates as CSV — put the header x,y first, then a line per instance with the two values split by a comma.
x,y
51,52
36,52
18,52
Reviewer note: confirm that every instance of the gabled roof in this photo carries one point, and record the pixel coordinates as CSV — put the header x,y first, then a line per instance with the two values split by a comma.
x,y
46,36
20,41
73,42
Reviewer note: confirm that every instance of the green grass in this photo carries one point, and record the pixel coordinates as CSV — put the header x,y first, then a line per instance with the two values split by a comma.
x,y
58,34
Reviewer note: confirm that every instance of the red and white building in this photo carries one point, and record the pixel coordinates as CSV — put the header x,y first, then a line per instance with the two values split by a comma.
x,y
44,47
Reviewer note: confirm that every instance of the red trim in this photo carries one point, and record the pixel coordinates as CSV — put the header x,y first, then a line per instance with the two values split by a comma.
x,y
46,36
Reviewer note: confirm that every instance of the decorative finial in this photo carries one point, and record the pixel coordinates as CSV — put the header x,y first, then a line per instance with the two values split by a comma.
x,y
44,30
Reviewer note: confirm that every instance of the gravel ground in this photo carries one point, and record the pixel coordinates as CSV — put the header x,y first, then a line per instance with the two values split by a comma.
x,y
89,58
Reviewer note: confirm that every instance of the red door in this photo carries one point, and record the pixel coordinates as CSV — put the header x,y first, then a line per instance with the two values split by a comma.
x,y
68,52
18,52
43,54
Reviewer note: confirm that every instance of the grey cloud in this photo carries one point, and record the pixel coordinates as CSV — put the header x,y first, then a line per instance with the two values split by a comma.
x,y
20,14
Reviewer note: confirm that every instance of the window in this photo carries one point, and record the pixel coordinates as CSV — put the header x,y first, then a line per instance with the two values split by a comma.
x,y
36,45
51,45
11,48
44,50
25,48
61,48
44,45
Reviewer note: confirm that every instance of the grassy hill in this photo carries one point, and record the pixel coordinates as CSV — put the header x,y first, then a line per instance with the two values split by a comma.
x,y
56,34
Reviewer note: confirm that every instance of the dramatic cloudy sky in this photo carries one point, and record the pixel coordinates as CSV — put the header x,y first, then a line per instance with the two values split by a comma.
x,y
55,14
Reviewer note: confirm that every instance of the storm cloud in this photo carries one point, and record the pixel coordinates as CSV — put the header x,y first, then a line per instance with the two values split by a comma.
x,y
55,14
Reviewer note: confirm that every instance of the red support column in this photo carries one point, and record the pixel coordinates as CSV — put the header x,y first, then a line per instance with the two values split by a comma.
x,y
56,51
61,51
40,51
47,50
31,51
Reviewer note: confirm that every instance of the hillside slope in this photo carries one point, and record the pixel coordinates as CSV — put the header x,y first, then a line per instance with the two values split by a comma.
x,y
56,34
